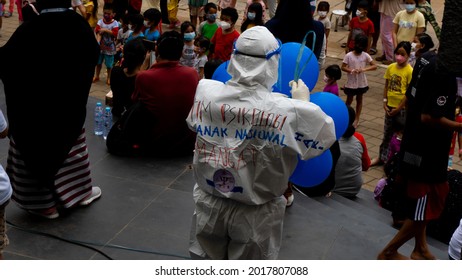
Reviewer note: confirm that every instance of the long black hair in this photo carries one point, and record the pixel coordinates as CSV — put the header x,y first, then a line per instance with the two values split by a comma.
x,y
258,9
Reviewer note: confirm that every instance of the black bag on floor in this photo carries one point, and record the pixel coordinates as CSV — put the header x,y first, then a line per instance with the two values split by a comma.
x,y
129,134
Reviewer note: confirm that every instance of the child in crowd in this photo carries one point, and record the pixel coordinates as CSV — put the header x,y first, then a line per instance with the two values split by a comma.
x,y
323,10
250,2
201,47
188,32
332,74
196,9
208,27
254,17
122,36
226,34
360,24
107,28
223,4
210,67
135,24
152,18
5,191
397,79
356,63
91,12
172,8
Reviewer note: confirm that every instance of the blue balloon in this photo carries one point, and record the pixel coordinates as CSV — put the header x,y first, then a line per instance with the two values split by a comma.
x,y
221,73
334,107
312,172
288,63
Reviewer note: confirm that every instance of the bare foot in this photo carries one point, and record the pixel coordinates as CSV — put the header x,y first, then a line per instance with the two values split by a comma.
x,y
422,255
391,256
95,79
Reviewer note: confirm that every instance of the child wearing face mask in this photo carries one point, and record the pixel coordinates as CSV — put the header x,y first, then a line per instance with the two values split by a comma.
x,y
254,17
107,28
250,2
188,31
209,26
407,23
226,34
360,24
201,47
397,79
356,63
135,24
332,74
323,10
152,18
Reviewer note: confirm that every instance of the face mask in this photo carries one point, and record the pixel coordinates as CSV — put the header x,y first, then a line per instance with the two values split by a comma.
x,y
400,59
130,27
212,17
189,36
358,14
409,7
225,25
326,79
322,14
251,16
146,23
413,45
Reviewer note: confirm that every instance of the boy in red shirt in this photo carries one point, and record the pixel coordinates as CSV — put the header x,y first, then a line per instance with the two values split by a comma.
x,y
223,40
360,24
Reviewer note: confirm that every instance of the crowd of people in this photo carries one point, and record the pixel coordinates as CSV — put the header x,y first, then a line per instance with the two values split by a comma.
x,y
165,105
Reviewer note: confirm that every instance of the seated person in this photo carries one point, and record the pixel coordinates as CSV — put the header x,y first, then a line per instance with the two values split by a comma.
x,y
167,91
124,76
352,161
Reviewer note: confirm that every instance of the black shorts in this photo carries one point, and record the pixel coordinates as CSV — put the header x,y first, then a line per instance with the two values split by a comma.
x,y
355,91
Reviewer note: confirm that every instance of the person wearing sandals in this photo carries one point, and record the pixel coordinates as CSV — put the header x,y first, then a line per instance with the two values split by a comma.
x,y
48,161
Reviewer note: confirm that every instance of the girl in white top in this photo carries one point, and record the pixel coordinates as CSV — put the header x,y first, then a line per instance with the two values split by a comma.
x,y
356,63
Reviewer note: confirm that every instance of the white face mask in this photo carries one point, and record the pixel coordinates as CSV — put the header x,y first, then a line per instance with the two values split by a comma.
x,y
146,23
130,27
225,25
358,13
413,45
325,79
322,14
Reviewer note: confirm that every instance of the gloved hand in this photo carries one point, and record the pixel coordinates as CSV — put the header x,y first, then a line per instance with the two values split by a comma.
x,y
299,90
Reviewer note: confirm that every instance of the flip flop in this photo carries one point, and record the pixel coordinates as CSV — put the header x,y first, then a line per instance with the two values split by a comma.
x,y
372,51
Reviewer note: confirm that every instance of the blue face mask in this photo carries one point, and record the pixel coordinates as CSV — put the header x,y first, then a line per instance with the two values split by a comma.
x,y
409,7
189,36
211,17
251,16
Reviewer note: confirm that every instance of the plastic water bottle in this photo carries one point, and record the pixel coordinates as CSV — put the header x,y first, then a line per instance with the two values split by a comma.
x,y
99,119
107,122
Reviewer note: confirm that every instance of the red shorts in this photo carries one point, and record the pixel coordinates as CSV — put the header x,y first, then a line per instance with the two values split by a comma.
x,y
426,201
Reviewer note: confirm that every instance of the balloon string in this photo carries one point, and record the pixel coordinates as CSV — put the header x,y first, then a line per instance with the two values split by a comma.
x,y
298,71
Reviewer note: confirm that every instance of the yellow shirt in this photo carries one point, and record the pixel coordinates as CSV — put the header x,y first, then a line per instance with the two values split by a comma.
x,y
408,24
398,81
92,20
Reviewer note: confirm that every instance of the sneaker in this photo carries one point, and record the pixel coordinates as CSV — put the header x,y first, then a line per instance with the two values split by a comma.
x,y
381,58
387,62
49,214
95,194
7,15
290,200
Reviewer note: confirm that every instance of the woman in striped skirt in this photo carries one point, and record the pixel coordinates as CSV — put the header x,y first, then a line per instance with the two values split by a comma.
x,y
46,95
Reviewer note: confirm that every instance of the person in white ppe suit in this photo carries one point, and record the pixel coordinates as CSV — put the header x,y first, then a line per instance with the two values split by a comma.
x,y
248,139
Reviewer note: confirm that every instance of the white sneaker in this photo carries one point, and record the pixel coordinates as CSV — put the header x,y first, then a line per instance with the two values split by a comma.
x,y
290,200
95,194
